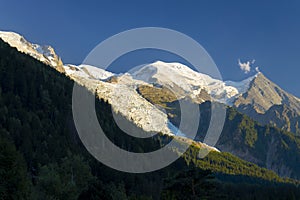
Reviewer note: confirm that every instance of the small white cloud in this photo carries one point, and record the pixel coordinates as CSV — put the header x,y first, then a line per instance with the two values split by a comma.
x,y
245,67
257,69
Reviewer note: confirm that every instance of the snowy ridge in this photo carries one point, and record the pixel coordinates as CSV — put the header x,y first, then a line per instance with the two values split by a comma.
x,y
243,85
87,71
45,54
120,89
178,76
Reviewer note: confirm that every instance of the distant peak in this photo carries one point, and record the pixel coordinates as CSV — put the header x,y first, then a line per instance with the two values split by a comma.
x,y
260,75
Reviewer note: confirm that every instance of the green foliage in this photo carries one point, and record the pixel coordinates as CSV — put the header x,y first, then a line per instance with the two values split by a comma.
x,y
251,141
260,140
228,164
247,128
190,184
65,181
14,182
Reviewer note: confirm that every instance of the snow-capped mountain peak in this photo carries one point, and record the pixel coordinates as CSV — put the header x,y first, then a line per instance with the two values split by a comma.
x,y
45,54
182,80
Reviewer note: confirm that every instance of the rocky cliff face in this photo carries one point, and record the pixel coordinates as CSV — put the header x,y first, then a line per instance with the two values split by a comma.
x,y
266,146
267,103
281,116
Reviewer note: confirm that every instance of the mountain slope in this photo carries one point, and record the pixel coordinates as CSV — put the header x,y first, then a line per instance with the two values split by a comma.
x,y
263,94
257,96
122,96
135,107
35,113
265,146
244,137
137,100
267,103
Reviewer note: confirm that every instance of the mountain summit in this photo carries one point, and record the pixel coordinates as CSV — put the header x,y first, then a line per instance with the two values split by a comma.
x,y
45,54
263,94
256,96
184,81
267,103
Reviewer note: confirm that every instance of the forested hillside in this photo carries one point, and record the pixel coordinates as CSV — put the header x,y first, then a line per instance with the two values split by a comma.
x,y
264,145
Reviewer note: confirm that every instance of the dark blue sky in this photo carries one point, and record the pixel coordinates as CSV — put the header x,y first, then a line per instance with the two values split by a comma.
x,y
266,31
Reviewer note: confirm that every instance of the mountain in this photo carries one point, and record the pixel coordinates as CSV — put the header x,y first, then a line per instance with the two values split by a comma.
x,y
145,96
121,94
42,156
265,146
267,103
45,54
160,85
256,96
263,94
184,81
244,137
